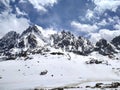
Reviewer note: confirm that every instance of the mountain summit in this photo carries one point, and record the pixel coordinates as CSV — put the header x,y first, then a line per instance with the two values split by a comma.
x,y
33,38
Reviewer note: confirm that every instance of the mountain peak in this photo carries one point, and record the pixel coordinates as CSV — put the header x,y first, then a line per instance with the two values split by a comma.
x,y
31,29
34,37
9,40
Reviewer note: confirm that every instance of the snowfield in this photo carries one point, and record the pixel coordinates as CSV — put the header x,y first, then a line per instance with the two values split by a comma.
x,y
60,71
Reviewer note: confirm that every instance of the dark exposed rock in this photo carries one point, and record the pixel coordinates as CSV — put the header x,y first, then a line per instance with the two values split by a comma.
x,y
57,53
44,72
23,54
104,47
57,89
70,43
8,41
112,85
40,89
32,41
105,86
95,61
98,85
52,75
21,44
31,29
116,42
28,58
88,87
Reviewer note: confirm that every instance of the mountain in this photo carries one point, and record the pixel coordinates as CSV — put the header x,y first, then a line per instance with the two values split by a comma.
x,y
69,42
8,41
57,61
31,38
34,40
116,42
105,48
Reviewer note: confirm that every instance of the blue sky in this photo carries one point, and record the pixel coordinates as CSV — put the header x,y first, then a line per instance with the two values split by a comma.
x,y
89,18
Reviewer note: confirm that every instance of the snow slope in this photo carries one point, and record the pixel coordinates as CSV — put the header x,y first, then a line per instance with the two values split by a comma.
x,y
49,59
21,74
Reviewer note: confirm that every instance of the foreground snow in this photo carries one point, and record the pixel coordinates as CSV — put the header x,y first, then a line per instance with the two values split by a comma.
x,y
23,74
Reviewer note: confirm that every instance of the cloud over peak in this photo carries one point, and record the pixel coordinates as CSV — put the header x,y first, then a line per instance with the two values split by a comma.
x,y
84,28
10,22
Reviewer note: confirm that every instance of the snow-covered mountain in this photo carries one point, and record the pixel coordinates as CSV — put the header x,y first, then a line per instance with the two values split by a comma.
x,y
34,37
31,38
8,41
43,60
68,42
105,48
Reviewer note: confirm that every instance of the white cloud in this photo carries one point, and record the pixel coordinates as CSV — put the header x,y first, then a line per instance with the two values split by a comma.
x,y
18,12
108,34
94,37
9,22
5,2
102,5
85,28
89,14
40,4
104,33
22,1
94,32
102,23
117,26
47,32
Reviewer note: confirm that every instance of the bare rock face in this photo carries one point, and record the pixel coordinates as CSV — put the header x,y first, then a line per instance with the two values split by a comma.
x,y
116,42
8,41
113,85
68,42
31,29
105,48
31,37
44,72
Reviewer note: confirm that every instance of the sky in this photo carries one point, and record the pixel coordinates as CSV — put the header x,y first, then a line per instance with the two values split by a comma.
x,y
93,19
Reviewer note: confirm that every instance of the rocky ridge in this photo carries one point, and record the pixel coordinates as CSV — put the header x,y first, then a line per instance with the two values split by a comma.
x,y
32,40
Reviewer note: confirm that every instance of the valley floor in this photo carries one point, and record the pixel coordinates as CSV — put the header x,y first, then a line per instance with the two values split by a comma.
x,y
51,71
